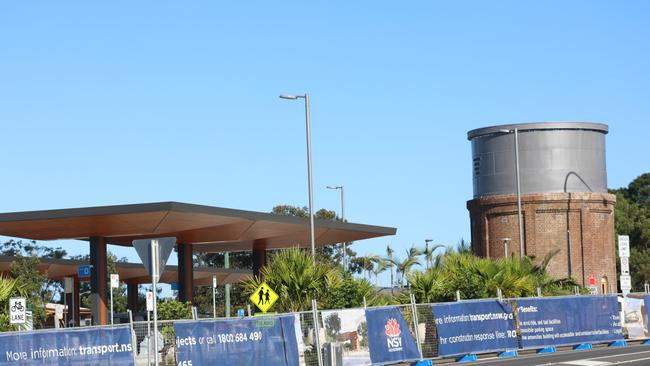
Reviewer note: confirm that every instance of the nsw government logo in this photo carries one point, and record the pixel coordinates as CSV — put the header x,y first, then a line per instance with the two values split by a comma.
x,y
393,340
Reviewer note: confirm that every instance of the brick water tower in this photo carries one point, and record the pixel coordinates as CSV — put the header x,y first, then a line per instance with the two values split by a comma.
x,y
540,187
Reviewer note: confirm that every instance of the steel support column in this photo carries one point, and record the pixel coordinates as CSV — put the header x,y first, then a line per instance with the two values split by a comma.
x,y
132,297
98,280
259,260
185,273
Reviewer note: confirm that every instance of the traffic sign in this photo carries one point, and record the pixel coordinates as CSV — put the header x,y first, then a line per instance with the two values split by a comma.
x,y
264,297
625,265
592,280
17,310
623,246
161,247
83,271
214,281
115,280
626,283
240,313
68,283
149,301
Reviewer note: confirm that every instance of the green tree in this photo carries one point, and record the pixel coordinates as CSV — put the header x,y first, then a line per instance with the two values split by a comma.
x,y
169,309
9,287
405,265
296,279
34,286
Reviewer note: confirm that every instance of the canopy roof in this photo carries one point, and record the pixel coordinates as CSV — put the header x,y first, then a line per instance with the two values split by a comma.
x,y
132,273
211,229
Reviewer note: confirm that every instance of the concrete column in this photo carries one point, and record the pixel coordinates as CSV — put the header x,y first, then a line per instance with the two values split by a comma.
x,y
132,297
72,299
98,280
185,273
259,260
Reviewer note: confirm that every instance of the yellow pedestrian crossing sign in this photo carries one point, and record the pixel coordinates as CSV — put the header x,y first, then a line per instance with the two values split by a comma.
x,y
264,297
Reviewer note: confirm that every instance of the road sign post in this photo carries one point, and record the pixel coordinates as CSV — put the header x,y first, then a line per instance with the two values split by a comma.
x,y
626,284
115,283
264,297
623,246
154,254
214,296
17,310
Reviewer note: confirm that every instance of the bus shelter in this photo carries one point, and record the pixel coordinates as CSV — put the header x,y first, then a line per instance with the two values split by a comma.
x,y
197,228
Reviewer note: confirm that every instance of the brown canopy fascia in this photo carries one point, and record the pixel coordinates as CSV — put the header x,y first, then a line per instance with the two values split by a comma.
x,y
209,229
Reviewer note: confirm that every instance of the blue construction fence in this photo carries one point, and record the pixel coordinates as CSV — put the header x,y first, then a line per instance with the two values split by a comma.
x,y
366,336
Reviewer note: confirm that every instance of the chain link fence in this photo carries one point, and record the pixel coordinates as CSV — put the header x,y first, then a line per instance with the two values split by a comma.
x,y
144,343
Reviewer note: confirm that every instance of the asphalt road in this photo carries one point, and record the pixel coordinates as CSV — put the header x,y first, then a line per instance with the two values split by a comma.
x,y
633,355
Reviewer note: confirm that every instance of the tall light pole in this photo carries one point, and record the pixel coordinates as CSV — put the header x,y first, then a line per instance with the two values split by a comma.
x,y
309,180
345,263
519,219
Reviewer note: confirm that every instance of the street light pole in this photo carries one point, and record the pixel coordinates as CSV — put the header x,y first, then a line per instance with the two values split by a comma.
x,y
519,217
345,263
309,175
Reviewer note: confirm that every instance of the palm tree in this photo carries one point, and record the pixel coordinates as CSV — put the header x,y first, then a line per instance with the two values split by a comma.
x,y
295,277
404,266
391,263
380,265
427,252
8,287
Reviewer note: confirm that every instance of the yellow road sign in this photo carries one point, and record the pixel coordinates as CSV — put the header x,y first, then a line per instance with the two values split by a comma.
x,y
264,297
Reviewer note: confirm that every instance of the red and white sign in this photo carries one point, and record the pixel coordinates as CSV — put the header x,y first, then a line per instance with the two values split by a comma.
x,y
625,265
592,280
149,301
392,331
115,280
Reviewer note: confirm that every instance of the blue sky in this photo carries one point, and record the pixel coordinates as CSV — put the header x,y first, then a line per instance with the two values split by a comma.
x,y
126,102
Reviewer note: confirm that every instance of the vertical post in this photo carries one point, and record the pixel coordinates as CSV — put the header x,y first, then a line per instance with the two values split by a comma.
x,y
309,178
319,354
98,279
214,296
148,338
226,264
345,256
539,292
65,302
568,235
185,272
134,339
154,278
112,316
416,323
522,248
457,295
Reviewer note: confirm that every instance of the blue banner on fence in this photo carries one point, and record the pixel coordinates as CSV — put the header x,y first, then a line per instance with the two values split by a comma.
x,y
389,337
568,320
261,341
89,346
469,327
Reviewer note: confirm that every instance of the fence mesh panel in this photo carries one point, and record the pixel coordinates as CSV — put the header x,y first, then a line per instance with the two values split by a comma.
x,y
144,347
427,331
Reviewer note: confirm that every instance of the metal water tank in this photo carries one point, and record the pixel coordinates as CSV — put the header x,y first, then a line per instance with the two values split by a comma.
x,y
553,157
